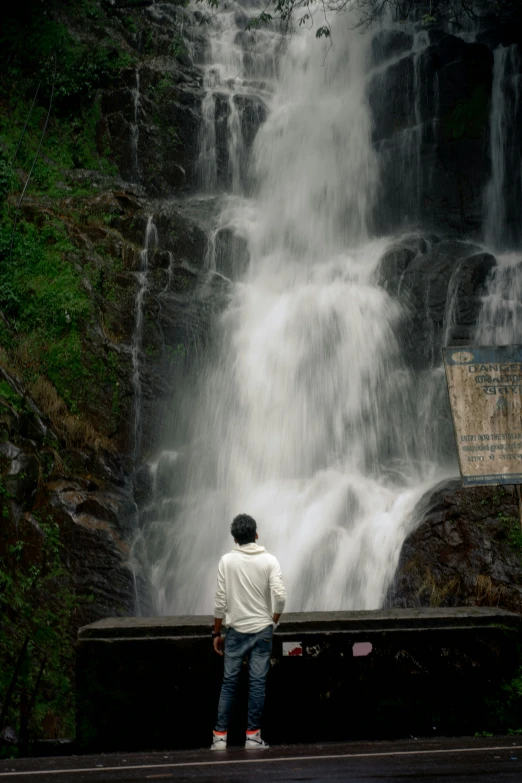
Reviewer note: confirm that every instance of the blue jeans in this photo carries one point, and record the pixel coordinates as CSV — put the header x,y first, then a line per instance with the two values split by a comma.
x,y
237,646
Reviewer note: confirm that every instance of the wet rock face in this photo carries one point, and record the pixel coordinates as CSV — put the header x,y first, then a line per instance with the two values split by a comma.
x,y
252,113
430,101
390,43
150,121
151,118
467,551
87,495
179,298
441,284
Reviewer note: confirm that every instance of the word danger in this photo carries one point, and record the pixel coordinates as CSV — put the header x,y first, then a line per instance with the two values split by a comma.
x,y
508,380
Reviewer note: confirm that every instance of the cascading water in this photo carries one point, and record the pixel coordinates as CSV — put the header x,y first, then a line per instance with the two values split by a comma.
x,y
231,77
207,163
151,241
306,416
406,122
503,195
135,129
500,319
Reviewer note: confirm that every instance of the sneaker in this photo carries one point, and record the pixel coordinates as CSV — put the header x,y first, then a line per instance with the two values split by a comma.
x,y
219,740
254,741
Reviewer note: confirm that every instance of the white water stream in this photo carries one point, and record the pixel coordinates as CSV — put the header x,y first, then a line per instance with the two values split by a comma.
x,y
500,321
503,143
150,242
135,130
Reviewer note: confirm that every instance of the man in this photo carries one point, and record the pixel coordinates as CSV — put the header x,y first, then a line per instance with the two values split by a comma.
x,y
250,598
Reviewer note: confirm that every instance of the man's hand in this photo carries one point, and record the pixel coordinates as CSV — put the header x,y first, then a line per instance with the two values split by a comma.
x,y
217,641
275,619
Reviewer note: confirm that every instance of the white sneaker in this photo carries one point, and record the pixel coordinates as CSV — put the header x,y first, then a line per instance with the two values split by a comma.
x,y
219,740
254,741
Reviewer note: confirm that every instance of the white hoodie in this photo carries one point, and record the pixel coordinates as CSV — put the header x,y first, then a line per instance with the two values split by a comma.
x,y
250,588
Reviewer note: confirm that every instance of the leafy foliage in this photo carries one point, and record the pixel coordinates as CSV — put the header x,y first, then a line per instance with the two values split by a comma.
x,y
41,293
366,12
43,290
6,177
513,531
80,68
36,602
505,712
14,399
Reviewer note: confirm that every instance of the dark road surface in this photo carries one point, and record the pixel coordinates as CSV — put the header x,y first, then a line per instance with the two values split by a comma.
x,y
434,761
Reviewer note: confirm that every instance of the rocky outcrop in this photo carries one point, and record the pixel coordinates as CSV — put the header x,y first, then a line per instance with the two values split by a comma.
x,y
467,551
151,121
86,494
431,97
441,283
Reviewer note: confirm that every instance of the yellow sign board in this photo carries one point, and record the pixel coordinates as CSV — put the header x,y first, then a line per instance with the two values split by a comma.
x,y
485,391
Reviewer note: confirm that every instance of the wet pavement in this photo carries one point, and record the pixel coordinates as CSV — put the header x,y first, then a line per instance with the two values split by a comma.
x,y
435,761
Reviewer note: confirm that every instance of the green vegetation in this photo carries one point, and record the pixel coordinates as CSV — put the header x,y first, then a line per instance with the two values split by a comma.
x,y
10,396
48,128
506,712
42,296
43,52
513,531
176,354
36,604
56,76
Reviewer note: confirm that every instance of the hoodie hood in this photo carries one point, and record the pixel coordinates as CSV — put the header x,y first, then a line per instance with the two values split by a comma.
x,y
249,549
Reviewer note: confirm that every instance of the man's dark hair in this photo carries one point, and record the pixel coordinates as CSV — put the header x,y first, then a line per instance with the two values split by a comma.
x,y
243,529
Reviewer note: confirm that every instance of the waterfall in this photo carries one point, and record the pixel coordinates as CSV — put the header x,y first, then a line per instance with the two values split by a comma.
x,y
305,415
239,66
450,315
225,63
500,318
151,240
503,194
206,163
420,43
236,151
406,122
135,129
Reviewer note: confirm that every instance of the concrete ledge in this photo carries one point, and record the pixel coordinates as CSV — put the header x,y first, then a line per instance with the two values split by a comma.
x,y
308,622
145,683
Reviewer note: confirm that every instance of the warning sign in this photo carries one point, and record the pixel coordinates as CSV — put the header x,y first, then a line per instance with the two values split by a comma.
x,y
485,391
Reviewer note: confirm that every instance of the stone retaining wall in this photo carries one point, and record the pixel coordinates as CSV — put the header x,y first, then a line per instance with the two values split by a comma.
x,y
154,682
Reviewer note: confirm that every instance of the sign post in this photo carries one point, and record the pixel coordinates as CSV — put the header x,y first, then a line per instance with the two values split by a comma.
x,y
485,392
